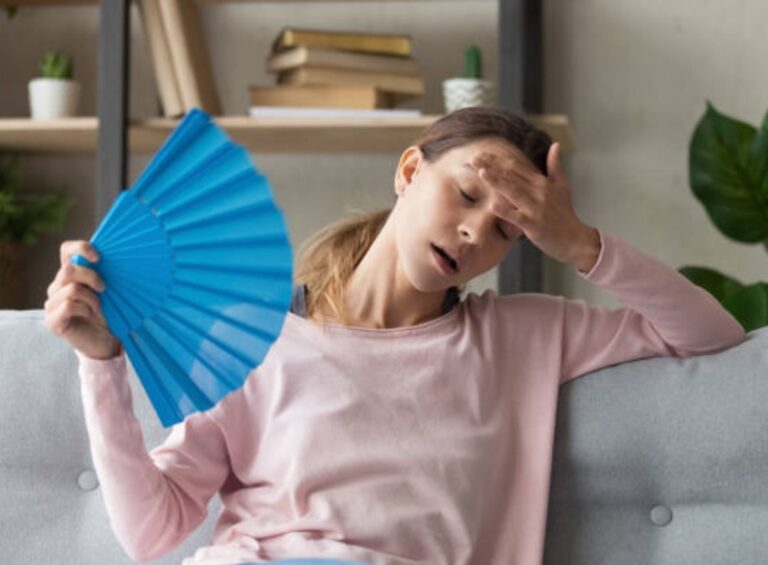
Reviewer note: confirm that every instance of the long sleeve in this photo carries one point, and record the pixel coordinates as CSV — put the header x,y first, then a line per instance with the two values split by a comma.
x,y
154,500
664,315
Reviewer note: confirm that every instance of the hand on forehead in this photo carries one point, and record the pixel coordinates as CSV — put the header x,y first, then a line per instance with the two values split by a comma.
x,y
502,158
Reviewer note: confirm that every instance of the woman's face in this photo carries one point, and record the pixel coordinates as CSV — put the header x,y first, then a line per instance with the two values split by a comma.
x,y
446,204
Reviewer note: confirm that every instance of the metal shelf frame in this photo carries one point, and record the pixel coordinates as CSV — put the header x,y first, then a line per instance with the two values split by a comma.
x,y
520,89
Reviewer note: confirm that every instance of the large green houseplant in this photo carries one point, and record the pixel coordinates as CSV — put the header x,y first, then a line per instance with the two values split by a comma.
x,y
24,217
728,174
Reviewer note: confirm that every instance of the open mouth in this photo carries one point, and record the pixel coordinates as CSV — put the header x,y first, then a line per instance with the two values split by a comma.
x,y
451,263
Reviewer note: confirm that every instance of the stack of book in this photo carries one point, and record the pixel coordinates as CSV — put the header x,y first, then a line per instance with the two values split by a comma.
x,y
182,66
327,73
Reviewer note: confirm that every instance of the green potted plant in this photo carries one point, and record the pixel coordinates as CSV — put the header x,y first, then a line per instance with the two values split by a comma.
x,y
728,174
24,216
470,89
54,94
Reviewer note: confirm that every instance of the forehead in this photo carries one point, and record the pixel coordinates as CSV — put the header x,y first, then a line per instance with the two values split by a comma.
x,y
495,145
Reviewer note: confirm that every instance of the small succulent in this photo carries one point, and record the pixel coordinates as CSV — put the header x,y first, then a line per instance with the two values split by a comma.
x,y
473,66
56,65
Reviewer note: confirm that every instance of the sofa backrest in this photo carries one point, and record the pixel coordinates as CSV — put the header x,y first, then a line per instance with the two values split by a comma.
x,y
663,461
658,461
51,509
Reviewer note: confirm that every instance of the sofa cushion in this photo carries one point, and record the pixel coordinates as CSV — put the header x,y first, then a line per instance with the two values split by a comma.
x,y
663,460
51,509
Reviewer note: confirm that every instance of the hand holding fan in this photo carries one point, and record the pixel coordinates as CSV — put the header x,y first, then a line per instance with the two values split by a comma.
x,y
198,270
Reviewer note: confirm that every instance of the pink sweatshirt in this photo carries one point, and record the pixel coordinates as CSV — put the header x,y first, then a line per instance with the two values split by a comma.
x,y
427,444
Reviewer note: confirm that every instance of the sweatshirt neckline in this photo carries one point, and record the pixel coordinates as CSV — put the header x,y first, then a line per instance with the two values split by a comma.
x,y
424,327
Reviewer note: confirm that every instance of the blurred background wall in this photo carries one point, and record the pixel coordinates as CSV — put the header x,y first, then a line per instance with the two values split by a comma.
x,y
632,76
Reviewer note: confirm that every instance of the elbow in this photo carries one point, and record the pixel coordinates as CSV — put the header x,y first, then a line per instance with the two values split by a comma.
x,y
141,552
725,340
154,537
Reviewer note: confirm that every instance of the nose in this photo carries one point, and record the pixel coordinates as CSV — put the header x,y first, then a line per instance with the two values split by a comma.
x,y
475,227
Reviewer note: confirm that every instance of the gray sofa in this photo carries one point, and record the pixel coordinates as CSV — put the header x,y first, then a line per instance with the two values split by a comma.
x,y
657,461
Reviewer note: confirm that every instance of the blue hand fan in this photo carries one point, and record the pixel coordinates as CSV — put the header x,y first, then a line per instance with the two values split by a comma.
x,y
197,265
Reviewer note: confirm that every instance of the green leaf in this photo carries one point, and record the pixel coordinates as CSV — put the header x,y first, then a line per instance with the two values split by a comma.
x,y
749,306
716,283
728,160
25,215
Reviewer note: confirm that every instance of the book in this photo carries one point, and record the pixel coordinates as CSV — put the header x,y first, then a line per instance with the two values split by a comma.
x,y
325,96
404,85
390,44
287,112
165,75
305,56
181,21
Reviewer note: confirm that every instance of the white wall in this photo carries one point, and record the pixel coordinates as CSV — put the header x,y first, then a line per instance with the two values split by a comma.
x,y
632,76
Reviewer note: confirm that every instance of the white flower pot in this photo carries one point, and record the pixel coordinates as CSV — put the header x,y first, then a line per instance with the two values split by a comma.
x,y
467,92
51,98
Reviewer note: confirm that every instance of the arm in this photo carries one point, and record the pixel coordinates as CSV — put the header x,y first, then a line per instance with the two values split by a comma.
x,y
665,313
154,500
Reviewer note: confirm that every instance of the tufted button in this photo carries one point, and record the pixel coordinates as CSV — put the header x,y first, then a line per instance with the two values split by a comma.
x,y
87,480
661,515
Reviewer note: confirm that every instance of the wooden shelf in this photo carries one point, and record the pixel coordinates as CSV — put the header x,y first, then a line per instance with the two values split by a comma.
x,y
259,135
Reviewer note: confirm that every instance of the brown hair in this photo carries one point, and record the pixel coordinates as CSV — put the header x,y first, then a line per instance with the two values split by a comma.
x,y
331,255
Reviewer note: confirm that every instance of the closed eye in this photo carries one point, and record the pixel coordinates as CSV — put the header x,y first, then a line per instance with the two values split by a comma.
x,y
498,226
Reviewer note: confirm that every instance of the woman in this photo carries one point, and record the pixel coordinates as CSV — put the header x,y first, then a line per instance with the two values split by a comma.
x,y
394,422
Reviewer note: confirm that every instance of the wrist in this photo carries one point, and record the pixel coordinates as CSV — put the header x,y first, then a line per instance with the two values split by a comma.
x,y
586,250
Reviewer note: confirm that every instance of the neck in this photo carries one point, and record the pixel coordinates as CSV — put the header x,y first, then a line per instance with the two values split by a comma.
x,y
379,295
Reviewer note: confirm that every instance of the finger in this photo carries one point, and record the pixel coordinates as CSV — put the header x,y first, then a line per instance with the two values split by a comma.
x,y
553,161
61,317
82,275
514,192
77,247
55,285
77,292
507,211
508,164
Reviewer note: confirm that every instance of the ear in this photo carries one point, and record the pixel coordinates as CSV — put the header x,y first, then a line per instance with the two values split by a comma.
x,y
407,168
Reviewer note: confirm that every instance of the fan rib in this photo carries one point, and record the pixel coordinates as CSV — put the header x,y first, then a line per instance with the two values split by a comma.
x,y
265,336
165,406
228,215
172,368
232,295
266,241
232,382
268,273
219,153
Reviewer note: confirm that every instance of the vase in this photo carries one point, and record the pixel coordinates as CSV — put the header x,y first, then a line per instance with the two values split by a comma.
x,y
51,98
467,92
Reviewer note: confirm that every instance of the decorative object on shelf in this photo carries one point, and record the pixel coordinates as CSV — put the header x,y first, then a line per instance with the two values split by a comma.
x,y
24,216
54,94
728,175
10,11
198,269
471,89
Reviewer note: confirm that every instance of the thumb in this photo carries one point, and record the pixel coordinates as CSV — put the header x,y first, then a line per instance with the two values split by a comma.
x,y
553,161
